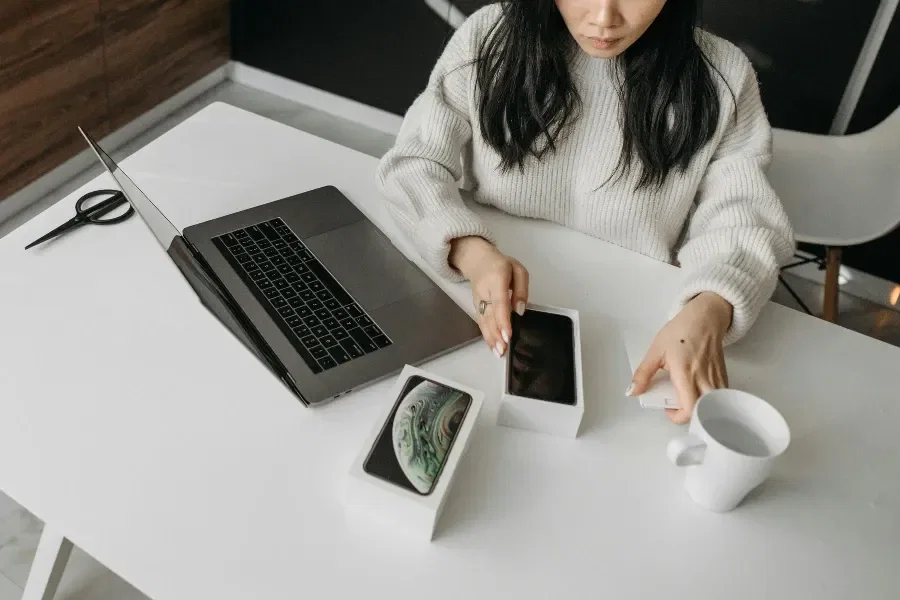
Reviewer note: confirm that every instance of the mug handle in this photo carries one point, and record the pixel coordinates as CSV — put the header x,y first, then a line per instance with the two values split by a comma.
x,y
686,450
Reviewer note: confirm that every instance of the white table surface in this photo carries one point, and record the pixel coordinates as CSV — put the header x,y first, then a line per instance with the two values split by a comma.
x,y
135,424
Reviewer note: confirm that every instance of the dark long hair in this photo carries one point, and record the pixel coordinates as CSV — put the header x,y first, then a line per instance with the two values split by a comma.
x,y
527,96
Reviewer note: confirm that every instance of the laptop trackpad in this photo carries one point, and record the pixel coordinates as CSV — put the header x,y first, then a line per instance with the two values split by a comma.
x,y
368,265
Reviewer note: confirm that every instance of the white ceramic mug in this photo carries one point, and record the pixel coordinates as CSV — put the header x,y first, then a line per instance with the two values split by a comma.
x,y
732,441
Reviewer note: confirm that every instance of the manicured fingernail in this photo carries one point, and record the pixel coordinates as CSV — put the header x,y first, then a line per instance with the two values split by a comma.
x,y
505,336
499,349
630,390
497,352
520,308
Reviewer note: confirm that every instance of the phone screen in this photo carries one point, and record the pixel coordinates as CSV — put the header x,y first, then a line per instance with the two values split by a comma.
x,y
542,357
417,438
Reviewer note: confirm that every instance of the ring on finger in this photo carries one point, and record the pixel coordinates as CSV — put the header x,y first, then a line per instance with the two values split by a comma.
x,y
482,306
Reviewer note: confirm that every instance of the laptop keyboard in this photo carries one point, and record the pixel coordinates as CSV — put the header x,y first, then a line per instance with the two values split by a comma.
x,y
315,312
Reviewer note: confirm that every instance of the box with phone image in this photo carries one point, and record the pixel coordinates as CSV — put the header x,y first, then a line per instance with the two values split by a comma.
x,y
542,384
404,471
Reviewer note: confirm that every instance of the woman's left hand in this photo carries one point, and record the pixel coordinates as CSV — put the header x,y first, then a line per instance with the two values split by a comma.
x,y
689,347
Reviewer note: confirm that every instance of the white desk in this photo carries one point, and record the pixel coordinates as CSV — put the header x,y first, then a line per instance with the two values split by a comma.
x,y
205,479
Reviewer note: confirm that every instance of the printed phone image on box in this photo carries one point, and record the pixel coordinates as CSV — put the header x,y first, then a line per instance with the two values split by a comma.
x,y
405,469
416,440
542,388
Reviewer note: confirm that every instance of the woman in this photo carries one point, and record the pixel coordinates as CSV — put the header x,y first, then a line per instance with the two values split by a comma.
x,y
618,118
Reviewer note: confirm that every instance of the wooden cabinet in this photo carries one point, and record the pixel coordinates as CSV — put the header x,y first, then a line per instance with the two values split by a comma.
x,y
94,63
156,48
51,80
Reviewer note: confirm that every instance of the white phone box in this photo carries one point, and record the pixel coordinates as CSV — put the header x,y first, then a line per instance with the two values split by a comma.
x,y
544,416
661,394
415,507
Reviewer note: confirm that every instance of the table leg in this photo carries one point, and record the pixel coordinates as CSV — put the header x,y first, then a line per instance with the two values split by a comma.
x,y
49,563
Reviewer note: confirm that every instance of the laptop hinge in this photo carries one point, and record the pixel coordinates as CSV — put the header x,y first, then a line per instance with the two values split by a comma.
x,y
216,298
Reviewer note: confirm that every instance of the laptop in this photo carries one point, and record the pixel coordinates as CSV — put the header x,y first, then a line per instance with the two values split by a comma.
x,y
311,287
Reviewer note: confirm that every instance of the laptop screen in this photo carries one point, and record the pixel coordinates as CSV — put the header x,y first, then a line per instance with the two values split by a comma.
x,y
161,227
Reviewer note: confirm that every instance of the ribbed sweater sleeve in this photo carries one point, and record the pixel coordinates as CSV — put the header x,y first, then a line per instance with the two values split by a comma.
x,y
739,235
419,177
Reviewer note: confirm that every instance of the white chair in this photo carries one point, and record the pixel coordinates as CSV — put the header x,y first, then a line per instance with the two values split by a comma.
x,y
839,191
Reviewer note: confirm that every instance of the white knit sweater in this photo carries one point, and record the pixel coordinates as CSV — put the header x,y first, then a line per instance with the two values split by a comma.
x,y
720,219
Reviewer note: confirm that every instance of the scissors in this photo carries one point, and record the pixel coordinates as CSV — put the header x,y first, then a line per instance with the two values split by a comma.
x,y
92,214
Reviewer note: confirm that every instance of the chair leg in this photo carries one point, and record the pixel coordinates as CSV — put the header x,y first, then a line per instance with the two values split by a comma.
x,y
832,288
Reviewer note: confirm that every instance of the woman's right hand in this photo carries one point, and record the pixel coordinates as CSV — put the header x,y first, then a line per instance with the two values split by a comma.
x,y
496,278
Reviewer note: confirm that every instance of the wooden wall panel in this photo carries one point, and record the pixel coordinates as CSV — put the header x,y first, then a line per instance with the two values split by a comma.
x,y
156,48
51,81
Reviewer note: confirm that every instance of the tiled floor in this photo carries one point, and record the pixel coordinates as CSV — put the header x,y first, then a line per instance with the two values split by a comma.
x,y
85,578
860,315
8,589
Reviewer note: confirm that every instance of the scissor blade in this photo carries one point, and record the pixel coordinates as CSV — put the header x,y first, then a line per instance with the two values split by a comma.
x,y
70,224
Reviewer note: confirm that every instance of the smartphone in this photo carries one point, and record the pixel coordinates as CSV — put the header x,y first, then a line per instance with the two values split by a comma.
x,y
542,357
416,439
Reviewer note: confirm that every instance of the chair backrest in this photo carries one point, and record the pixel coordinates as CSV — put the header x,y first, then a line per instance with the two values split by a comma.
x,y
839,190
884,135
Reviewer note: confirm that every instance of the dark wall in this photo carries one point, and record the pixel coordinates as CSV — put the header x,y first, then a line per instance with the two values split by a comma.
x,y
376,52
804,52
380,53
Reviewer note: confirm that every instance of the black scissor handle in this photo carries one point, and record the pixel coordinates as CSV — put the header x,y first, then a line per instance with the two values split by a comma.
x,y
95,212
